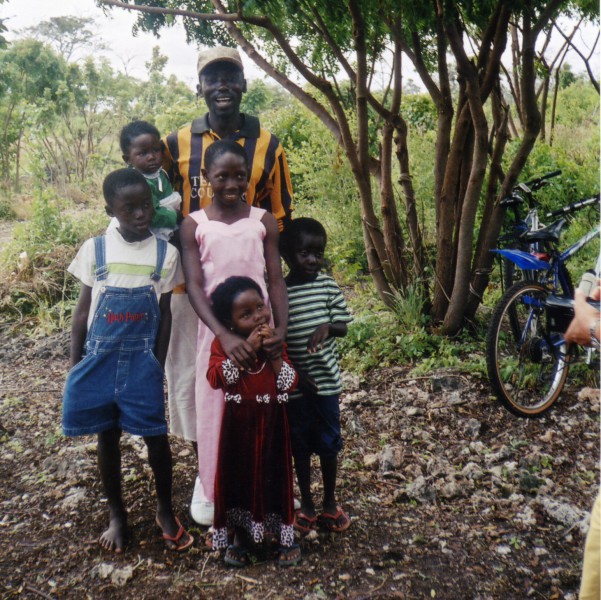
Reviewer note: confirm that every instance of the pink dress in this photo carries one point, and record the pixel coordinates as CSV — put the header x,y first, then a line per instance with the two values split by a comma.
x,y
224,250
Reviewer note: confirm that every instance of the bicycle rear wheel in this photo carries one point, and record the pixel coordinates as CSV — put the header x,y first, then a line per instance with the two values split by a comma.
x,y
526,361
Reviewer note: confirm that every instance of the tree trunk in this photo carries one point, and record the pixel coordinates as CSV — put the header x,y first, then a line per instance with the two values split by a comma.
x,y
532,115
476,160
393,235
415,234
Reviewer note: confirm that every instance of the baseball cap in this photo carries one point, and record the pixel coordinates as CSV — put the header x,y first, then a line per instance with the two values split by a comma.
x,y
218,54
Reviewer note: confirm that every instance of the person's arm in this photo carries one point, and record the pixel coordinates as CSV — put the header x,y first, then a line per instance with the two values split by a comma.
x,y
221,372
281,191
79,324
286,375
323,332
164,216
585,321
164,332
278,295
235,347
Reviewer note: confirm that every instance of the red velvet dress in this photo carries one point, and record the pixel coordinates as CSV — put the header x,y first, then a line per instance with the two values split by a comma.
x,y
253,483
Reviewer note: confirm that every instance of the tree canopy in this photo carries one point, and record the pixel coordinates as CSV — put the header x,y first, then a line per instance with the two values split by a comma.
x,y
351,56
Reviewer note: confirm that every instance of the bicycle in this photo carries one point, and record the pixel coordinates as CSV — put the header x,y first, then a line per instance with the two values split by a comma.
x,y
526,355
511,238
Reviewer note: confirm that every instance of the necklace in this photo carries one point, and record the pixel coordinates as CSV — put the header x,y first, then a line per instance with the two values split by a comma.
x,y
258,370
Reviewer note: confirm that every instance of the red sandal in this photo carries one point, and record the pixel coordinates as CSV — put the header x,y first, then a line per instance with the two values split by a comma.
x,y
337,522
303,523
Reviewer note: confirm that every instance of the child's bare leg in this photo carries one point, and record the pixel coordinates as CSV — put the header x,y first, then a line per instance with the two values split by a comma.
x,y
159,458
302,466
333,517
109,463
329,465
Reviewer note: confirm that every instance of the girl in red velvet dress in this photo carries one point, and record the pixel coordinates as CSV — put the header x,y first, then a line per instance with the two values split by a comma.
x,y
253,483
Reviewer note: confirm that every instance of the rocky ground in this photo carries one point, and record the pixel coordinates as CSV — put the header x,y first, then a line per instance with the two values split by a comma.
x,y
450,497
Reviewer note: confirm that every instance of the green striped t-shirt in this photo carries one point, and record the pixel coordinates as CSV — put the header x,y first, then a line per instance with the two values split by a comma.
x,y
310,305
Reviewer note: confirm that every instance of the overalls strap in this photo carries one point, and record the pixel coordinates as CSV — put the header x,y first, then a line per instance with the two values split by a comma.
x,y
161,253
100,248
102,269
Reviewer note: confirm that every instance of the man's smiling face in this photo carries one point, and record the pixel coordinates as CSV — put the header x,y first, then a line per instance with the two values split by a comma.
x,y
222,85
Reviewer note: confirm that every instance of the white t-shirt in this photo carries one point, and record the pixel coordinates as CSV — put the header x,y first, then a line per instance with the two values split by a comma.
x,y
130,265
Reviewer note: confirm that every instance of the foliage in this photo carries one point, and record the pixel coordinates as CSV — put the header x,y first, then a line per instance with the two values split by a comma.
x,y
29,94
380,338
165,101
367,114
66,34
419,112
35,289
324,187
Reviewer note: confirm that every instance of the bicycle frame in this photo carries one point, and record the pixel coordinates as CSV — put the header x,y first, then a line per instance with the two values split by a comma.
x,y
549,269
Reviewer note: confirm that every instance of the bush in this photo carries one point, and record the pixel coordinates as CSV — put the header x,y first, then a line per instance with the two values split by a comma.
x,y
35,289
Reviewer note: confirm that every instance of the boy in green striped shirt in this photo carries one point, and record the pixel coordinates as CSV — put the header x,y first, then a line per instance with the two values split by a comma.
x,y
317,315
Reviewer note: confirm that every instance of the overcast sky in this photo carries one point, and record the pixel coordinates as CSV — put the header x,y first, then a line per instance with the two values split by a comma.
x,y
115,30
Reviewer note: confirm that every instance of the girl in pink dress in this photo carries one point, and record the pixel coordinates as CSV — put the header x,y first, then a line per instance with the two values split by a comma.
x,y
253,486
227,238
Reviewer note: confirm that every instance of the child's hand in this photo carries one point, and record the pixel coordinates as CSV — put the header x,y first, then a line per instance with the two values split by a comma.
x,y
318,337
255,339
273,343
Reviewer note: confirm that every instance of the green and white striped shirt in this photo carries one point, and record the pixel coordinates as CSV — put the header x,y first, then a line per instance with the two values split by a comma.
x,y
311,305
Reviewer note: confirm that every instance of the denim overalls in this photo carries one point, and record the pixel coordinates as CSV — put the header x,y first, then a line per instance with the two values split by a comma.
x,y
119,381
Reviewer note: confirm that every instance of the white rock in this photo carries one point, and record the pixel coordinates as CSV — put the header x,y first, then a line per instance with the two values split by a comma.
x,y
370,461
121,576
564,513
102,571
73,499
472,471
391,458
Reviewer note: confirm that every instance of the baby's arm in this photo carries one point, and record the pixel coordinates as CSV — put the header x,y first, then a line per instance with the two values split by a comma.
x,y
222,373
286,376
278,294
323,332
79,324
164,332
164,216
236,348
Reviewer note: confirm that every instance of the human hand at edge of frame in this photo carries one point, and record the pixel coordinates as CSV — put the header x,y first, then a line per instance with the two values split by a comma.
x,y
585,316
238,350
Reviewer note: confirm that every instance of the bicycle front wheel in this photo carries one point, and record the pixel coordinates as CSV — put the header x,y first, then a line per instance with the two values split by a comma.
x,y
526,361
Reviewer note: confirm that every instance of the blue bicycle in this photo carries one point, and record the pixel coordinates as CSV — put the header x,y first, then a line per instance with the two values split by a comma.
x,y
519,223
527,356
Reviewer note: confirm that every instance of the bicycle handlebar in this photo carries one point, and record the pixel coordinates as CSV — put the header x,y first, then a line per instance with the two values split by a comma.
x,y
527,188
574,207
536,183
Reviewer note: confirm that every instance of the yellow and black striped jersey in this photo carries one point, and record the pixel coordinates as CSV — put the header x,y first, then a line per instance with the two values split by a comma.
x,y
269,186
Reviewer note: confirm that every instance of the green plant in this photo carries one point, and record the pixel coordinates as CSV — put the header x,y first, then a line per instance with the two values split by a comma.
x,y
35,289
6,209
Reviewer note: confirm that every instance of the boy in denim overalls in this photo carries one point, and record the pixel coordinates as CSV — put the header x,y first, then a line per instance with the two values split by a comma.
x,y
119,340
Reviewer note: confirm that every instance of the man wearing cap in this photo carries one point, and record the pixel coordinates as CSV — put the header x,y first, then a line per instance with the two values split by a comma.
x,y
221,83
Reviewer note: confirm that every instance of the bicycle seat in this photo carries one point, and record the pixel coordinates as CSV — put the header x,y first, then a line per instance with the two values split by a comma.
x,y
550,233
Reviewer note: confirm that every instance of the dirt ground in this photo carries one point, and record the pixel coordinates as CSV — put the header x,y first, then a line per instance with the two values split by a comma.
x,y
450,497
